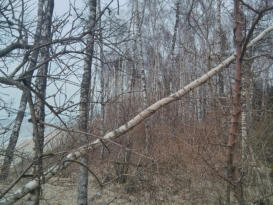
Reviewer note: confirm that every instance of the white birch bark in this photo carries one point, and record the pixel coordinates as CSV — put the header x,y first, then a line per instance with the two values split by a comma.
x,y
102,106
257,171
21,192
219,44
244,120
172,72
116,105
177,15
92,92
141,65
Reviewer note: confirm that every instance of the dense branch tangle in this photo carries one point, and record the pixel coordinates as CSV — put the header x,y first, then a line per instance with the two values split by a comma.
x,y
129,125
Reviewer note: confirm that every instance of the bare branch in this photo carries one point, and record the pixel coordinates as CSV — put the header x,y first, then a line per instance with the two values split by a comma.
x,y
12,47
129,125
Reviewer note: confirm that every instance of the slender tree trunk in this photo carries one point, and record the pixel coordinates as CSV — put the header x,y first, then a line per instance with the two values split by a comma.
x,y
116,105
236,105
246,100
220,86
13,139
172,73
85,103
244,128
141,65
102,106
92,92
23,101
219,45
177,17
39,106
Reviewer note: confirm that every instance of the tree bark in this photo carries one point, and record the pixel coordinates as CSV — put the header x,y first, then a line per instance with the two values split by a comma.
x,y
23,101
85,103
219,46
9,153
39,106
236,104
102,87
173,74
141,65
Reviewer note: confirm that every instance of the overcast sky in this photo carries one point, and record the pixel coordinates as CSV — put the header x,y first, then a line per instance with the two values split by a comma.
x,y
12,95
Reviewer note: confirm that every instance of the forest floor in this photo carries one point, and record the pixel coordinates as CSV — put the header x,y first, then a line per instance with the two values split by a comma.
x,y
63,191
180,173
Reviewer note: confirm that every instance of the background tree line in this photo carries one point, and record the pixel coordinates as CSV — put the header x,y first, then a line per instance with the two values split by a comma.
x,y
95,67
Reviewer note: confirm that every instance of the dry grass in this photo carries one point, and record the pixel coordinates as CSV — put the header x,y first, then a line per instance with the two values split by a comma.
x,y
186,165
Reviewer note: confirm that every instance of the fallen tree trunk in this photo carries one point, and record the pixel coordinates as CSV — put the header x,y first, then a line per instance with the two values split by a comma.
x,y
30,186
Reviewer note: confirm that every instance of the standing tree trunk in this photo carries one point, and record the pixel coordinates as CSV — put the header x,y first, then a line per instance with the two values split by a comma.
x,y
9,153
92,92
236,105
85,103
177,15
172,73
219,47
39,106
23,102
141,65
102,105
177,19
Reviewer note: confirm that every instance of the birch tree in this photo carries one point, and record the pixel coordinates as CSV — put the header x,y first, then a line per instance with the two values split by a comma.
x,y
102,83
141,65
240,43
172,70
219,43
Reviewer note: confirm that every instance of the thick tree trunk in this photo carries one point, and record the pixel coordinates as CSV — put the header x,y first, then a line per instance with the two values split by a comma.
x,y
23,102
236,105
21,192
39,106
85,103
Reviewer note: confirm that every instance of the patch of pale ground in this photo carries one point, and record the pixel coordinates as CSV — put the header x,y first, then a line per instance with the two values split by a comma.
x,y
64,192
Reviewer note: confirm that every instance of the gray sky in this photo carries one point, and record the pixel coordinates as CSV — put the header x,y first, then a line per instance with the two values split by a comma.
x,y
12,95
